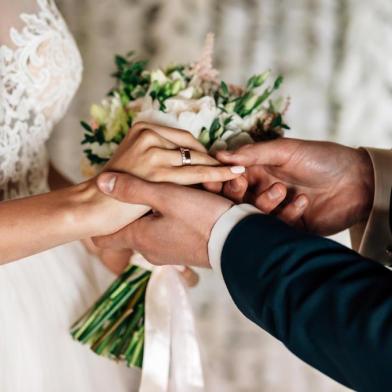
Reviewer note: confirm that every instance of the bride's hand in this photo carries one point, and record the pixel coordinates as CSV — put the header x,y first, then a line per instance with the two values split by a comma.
x,y
151,152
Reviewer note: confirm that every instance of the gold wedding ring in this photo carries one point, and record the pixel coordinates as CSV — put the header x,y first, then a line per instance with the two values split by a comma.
x,y
186,158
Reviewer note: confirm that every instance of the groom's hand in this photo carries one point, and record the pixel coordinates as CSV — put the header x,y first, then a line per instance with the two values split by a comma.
x,y
179,229
327,187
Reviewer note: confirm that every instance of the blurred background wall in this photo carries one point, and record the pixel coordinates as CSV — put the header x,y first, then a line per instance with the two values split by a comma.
x,y
337,60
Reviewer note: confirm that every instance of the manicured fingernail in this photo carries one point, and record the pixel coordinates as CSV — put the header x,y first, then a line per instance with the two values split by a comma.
x,y
237,169
274,193
106,183
180,268
301,202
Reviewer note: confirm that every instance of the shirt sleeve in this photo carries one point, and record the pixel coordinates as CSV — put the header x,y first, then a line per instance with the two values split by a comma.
x,y
222,229
373,238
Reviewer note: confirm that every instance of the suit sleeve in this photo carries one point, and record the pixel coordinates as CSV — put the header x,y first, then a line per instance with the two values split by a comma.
x,y
330,306
373,238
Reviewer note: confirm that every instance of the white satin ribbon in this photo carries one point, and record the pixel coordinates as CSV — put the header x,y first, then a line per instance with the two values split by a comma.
x,y
172,360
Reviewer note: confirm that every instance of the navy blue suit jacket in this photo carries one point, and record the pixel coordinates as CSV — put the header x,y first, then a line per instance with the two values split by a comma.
x,y
327,304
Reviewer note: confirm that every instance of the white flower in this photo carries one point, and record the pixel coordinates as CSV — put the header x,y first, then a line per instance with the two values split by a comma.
x,y
156,116
158,76
188,114
238,123
105,150
187,93
111,114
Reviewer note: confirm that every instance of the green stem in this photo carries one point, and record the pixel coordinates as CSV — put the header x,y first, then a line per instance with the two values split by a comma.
x,y
111,308
127,312
107,309
135,356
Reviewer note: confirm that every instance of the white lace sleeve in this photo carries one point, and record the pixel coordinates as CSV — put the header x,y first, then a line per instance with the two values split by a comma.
x,y
40,70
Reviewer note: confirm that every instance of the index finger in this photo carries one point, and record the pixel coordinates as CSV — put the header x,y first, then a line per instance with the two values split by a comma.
x,y
275,152
190,175
235,189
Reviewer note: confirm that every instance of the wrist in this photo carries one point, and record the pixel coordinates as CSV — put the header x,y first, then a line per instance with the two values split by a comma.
x,y
81,206
98,213
221,229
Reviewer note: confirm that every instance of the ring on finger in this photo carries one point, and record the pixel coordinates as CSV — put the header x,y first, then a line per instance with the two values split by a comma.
x,y
186,158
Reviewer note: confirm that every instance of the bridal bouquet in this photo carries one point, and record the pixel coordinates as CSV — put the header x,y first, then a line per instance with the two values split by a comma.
x,y
185,96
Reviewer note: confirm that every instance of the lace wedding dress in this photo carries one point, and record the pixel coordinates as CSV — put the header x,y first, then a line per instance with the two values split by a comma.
x,y
40,296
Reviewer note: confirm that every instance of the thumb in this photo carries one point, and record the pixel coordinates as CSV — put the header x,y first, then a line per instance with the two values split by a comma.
x,y
129,189
275,153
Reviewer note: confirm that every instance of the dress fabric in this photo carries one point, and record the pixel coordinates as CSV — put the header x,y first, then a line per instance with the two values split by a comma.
x,y
42,295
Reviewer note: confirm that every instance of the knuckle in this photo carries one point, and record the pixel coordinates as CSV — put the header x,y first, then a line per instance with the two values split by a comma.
x,y
153,156
135,130
140,125
148,136
139,145
129,135
188,135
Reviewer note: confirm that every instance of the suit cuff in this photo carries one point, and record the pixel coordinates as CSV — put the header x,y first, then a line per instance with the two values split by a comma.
x,y
222,229
373,238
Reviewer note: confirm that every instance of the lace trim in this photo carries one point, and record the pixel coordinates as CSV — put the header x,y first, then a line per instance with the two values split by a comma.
x,y
38,80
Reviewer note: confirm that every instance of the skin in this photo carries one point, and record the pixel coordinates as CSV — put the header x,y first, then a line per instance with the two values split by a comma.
x,y
327,187
169,235
114,260
82,211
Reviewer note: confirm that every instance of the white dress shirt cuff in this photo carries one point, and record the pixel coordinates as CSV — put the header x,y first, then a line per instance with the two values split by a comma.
x,y
221,230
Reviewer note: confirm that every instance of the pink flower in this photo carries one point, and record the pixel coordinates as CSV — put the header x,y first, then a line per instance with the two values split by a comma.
x,y
94,125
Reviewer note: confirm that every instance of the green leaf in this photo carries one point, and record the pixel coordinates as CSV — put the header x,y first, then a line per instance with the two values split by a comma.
x,y
204,137
100,135
93,158
88,139
278,82
227,121
239,103
120,61
277,121
215,126
177,86
224,88
86,126
257,80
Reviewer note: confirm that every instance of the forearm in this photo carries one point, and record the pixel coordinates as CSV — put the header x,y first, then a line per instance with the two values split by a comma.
x,y
327,304
34,224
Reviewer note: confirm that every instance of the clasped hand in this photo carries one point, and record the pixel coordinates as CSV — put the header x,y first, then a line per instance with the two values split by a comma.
x,y
152,153
317,186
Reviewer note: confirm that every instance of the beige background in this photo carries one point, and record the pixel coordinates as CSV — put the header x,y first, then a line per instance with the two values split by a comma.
x,y
336,56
